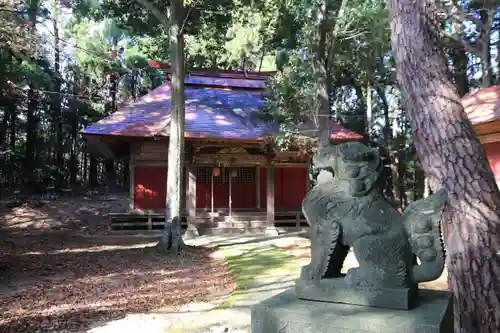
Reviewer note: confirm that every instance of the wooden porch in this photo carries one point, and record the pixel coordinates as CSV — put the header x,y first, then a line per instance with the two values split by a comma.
x,y
227,187
219,222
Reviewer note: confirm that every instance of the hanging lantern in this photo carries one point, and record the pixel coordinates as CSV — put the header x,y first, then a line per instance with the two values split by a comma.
x,y
234,174
216,172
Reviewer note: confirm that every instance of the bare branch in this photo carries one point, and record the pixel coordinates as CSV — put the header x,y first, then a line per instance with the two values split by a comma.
x,y
454,41
457,13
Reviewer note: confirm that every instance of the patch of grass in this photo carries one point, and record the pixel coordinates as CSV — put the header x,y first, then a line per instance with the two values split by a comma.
x,y
249,265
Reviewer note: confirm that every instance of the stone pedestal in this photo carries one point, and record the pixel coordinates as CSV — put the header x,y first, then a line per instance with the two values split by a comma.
x,y
285,313
337,291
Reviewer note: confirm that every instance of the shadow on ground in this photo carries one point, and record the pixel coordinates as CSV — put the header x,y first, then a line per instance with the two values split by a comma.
x,y
58,281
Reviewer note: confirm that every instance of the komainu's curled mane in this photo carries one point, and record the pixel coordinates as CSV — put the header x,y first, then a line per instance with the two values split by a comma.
x,y
346,209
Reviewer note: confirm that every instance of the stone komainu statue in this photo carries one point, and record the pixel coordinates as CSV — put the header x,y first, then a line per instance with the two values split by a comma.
x,y
346,209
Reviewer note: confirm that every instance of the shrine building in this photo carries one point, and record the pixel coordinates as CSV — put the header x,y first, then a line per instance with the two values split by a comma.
x,y
234,178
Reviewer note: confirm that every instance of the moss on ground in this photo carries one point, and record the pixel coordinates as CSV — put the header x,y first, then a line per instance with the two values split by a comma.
x,y
251,265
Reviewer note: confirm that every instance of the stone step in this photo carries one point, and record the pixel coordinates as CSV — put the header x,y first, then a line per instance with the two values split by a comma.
x,y
229,231
241,224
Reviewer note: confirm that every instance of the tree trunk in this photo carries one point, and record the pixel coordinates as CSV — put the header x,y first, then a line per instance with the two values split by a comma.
x,y
12,127
452,157
12,141
391,187
172,239
56,98
31,126
418,192
459,59
31,121
93,171
109,167
3,127
402,199
486,17
320,70
369,111
498,53
74,143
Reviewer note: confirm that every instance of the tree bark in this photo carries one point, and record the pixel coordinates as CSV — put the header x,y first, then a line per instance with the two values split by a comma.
x,y
74,142
486,17
31,119
12,127
31,135
452,157
498,52
172,238
56,98
320,70
3,127
459,59
392,185
418,192
93,171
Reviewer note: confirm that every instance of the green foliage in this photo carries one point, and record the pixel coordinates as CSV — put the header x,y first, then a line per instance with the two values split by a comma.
x,y
108,42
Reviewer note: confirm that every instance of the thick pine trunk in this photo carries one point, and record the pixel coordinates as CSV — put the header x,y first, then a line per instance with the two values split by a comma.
x,y
172,238
452,157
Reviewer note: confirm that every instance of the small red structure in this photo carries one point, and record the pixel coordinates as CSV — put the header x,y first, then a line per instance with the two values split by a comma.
x,y
483,109
233,176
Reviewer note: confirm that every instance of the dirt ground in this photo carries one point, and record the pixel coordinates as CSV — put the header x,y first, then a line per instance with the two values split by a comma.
x,y
60,273
87,214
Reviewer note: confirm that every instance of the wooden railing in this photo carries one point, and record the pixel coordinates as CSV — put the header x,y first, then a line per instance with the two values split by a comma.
x,y
156,220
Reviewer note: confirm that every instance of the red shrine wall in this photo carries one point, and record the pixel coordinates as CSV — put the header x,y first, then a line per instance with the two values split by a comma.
x,y
290,188
493,154
150,188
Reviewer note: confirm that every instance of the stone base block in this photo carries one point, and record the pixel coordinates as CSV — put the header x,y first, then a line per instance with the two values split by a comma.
x,y
337,291
271,231
191,232
285,313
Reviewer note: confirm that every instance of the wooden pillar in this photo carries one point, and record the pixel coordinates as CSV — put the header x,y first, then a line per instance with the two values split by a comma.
x,y
191,230
131,179
270,229
257,187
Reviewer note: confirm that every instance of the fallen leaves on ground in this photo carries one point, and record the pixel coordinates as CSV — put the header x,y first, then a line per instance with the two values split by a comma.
x,y
59,281
297,251
85,213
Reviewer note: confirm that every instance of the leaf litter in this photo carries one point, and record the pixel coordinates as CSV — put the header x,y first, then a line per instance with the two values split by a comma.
x,y
59,279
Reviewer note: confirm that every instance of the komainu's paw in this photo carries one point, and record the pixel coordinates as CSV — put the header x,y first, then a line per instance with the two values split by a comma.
x,y
307,273
354,278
